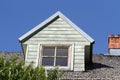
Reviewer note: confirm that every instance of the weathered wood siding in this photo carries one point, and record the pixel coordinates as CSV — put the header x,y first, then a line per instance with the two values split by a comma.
x,y
59,31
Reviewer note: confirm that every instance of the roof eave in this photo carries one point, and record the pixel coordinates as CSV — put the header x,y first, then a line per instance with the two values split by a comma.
x,y
58,13
38,26
77,28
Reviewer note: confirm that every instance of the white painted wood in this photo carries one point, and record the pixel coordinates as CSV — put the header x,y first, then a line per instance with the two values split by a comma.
x,y
79,46
37,41
79,50
79,69
24,48
79,66
26,55
58,29
57,39
66,44
59,67
56,43
32,46
82,44
79,60
31,52
60,22
31,56
72,57
79,57
40,55
31,60
59,26
59,33
59,36
37,57
79,54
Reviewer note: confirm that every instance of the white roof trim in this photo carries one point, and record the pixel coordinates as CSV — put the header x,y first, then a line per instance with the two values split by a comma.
x,y
51,18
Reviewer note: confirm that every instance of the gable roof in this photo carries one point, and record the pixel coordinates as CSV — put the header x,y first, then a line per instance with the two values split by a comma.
x,y
58,13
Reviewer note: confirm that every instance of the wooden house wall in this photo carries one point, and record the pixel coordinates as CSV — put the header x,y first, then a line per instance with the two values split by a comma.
x,y
58,31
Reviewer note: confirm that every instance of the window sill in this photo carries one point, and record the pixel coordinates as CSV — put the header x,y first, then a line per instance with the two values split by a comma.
x,y
59,67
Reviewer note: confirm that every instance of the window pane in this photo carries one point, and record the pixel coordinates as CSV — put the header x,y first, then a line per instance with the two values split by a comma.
x,y
61,61
48,51
62,51
47,61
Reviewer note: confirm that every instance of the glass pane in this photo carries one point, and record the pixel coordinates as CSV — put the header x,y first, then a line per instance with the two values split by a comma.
x,y
61,61
48,51
62,51
47,61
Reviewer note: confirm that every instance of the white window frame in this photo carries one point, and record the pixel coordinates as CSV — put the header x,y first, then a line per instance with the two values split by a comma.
x,y
70,55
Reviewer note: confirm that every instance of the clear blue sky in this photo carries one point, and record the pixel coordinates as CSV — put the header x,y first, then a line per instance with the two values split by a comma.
x,y
98,18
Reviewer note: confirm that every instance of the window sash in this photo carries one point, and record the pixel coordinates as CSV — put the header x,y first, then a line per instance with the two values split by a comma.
x,y
47,61
55,55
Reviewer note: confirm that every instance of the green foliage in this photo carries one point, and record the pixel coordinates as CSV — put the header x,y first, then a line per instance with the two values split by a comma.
x,y
13,69
54,74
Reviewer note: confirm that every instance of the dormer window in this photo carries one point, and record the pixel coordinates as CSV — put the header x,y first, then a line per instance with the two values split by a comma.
x,y
55,56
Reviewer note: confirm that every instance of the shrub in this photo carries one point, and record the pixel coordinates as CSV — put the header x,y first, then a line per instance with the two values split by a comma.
x,y
54,74
13,69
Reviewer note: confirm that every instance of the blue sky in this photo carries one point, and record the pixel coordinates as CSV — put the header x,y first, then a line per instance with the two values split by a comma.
x,y
98,18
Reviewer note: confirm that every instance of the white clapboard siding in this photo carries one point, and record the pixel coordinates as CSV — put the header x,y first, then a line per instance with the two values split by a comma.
x,y
59,23
57,39
79,53
79,61
60,31
31,54
57,29
61,36
79,57
59,26
81,44
51,41
79,67
79,50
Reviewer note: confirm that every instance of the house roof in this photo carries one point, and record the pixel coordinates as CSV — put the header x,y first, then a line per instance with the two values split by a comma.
x,y
58,13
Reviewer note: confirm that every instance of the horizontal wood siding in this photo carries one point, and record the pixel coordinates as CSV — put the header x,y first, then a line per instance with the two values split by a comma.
x,y
60,31
31,54
79,63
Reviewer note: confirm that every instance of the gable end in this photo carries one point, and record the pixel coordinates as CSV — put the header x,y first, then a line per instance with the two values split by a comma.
x,y
51,19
